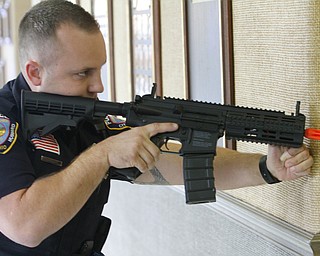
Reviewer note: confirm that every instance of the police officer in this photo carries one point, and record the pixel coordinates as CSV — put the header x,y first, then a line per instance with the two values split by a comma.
x,y
53,187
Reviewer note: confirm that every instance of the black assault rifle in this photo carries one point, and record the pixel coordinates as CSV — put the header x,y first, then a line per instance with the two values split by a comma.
x,y
200,126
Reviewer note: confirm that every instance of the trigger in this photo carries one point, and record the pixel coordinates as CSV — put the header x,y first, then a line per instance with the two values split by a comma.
x,y
166,143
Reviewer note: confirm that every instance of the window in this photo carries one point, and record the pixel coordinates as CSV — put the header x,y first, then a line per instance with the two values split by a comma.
x,y
4,34
142,31
100,10
146,52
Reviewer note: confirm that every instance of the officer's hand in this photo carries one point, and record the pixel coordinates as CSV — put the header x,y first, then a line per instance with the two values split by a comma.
x,y
133,148
289,163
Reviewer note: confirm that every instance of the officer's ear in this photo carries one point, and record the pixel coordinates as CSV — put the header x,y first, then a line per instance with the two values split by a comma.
x,y
33,72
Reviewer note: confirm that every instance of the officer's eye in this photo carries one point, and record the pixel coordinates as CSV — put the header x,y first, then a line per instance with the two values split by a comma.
x,y
83,74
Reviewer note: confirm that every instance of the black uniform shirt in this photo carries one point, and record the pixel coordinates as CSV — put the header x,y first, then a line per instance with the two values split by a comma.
x,y
16,168
23,161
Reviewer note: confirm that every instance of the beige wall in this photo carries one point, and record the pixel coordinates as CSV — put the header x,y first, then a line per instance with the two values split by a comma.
x,y
276,48
122,51
173,48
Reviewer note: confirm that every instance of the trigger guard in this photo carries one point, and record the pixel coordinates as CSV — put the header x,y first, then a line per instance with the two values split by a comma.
x,y
159,141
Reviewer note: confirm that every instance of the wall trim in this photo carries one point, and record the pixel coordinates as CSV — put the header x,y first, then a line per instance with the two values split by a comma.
x,y
315,244
278,232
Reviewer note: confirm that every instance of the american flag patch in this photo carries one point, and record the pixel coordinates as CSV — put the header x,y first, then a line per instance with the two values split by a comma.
x,y
47,143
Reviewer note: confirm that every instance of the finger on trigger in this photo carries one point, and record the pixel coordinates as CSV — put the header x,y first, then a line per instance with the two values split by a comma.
x,y
156,128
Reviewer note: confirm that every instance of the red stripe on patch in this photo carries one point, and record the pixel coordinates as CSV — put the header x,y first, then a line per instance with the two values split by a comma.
x,y
46,143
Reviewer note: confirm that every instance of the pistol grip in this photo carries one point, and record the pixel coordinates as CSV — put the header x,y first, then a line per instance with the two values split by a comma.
x,y
198,178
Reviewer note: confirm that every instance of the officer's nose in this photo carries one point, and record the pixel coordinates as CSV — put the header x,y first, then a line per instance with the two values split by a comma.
x,y
96,85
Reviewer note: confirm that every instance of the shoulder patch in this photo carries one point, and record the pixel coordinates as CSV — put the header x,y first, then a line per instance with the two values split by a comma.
x,y
8,134
115,122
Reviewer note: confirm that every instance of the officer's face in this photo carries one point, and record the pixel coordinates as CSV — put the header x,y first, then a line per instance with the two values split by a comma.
x,y
75,69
